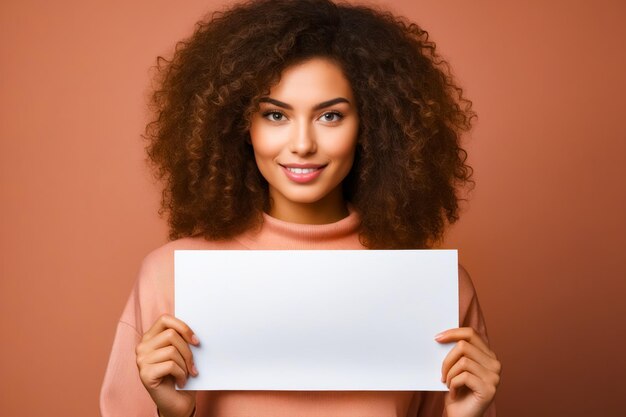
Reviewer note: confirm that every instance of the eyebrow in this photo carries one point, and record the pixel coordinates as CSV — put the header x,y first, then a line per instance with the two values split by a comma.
x,y
321,105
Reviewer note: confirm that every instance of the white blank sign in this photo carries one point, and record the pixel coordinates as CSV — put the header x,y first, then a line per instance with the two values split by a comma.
x,y
317,320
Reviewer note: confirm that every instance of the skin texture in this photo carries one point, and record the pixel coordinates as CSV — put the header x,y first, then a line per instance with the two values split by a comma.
x,y
306,134
409,168
471,371
395,155
164,359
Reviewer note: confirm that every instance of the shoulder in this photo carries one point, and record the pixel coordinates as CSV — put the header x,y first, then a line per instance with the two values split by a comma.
x,y
162,258
157,268
164,255
470,313
154,290
466,286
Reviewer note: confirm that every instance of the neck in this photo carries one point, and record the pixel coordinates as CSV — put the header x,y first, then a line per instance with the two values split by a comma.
x,y
330,209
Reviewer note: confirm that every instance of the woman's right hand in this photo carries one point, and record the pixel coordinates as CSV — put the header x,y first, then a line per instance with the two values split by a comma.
x,y
164,359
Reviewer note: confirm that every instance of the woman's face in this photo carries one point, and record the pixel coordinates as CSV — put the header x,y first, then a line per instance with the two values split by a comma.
x,y
304,137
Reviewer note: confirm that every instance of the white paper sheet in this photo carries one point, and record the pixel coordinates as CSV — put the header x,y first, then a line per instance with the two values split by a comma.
x,y
318,320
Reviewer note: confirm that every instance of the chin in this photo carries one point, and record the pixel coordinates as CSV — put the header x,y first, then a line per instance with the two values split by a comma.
x,y
305,199
305,196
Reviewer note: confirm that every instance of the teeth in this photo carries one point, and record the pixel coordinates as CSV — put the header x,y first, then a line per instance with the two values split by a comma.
x,y
302,170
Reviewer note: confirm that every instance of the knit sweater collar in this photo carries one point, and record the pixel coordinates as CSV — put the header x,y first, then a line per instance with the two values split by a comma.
x,y
279,234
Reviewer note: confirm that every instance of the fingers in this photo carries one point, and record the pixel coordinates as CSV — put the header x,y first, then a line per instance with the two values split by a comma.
x,y
168,353
468,365
464,333
167,321
170,337
469,345
164,350
467,350
474,383
152,375
168,330
471,364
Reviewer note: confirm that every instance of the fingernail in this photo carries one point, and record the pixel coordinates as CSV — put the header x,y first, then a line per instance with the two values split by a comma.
x,y
194,369
438,336
194,339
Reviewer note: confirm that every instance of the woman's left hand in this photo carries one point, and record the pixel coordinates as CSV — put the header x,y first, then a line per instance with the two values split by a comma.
x,y
471,371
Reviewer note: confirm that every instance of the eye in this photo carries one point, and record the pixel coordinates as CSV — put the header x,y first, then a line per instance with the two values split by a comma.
x,y
274,116
331,116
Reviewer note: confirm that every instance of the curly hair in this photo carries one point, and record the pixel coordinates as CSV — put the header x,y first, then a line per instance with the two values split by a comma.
x,y
409,166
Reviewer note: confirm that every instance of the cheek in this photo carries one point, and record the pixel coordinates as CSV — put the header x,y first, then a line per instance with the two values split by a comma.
x,y
261,141
342,145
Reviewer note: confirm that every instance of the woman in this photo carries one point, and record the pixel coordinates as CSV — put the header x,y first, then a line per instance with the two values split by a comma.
x,y
299,125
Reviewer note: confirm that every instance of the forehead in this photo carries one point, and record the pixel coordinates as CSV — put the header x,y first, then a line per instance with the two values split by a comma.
x,y
312,81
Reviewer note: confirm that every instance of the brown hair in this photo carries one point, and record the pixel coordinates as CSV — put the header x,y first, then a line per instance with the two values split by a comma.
x,y
409,166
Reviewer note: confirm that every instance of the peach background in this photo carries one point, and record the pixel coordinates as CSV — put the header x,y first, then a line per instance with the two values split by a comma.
x,y
543,236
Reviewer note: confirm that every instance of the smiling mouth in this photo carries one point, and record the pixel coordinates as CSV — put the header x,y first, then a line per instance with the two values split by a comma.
x,y
302,170
303,173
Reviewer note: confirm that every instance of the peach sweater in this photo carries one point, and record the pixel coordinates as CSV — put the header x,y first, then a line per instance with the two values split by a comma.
x,y
123,394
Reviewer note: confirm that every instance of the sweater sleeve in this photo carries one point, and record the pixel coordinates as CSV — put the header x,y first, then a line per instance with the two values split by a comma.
x,y
122,392
470,315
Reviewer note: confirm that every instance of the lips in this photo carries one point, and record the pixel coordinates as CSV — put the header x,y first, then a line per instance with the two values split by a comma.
x,y
302,173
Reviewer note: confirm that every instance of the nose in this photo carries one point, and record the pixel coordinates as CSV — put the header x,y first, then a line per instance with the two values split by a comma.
x,y
303,140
